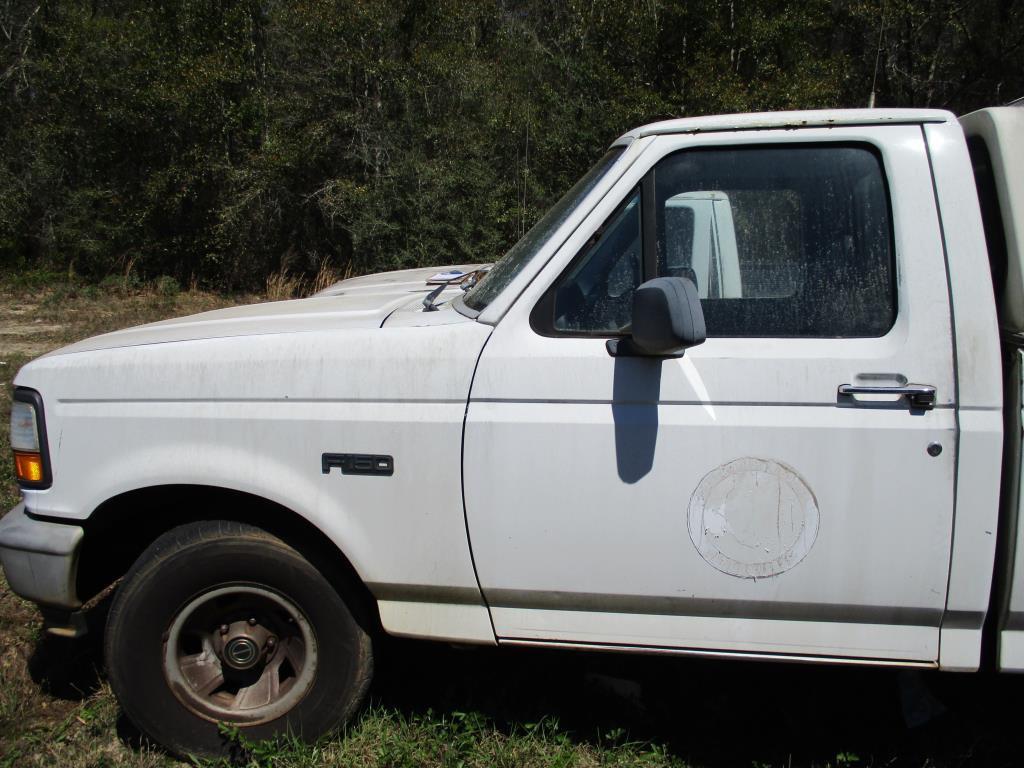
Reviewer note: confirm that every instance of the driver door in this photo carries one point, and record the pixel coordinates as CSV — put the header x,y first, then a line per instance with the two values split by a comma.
x,y
730,500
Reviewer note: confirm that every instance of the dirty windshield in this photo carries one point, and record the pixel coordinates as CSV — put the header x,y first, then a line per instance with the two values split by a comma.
x,y
512,263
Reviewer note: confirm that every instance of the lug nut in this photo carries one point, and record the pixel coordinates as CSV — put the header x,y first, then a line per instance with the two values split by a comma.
x,y
252,622
223,629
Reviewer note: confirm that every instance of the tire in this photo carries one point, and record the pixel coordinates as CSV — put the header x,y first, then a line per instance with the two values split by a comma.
x,y
201,603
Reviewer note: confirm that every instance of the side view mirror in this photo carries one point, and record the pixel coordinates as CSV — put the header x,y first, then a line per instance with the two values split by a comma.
x,y
667,320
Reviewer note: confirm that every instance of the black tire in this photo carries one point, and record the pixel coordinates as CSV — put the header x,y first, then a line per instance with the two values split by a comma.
x,y
196,573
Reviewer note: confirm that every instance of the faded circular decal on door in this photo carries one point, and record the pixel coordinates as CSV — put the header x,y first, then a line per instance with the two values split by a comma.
x,y
753,518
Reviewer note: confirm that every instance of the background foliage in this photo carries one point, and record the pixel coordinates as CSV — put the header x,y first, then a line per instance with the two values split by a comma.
x,y
218,141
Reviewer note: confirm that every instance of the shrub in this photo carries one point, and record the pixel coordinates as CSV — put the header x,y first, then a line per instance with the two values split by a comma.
x,y
167,286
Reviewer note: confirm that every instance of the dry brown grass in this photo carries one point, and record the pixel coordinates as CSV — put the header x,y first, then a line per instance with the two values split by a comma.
x,y
34,321
284,285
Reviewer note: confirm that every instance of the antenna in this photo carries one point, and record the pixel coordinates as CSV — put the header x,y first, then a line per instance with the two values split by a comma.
x,y
878,52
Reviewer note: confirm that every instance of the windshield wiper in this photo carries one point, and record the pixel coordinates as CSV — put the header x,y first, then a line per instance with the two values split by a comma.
x,y
465,282
430,298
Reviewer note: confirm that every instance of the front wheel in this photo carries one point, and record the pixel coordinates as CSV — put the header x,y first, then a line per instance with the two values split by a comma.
x,y
221,622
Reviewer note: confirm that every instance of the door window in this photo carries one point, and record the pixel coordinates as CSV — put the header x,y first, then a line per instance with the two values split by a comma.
x,y
788,241
596,294
781,241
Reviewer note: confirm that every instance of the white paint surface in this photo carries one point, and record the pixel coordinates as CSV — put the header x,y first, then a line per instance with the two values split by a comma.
x,y
254,413
437,621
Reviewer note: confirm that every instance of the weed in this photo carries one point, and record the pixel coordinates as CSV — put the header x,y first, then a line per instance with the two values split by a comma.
x,y
327,275
121,285
167,286
60,293
243,751
282,285
32,279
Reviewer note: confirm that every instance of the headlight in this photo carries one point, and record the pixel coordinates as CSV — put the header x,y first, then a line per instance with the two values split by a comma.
x,y
24,428
28,439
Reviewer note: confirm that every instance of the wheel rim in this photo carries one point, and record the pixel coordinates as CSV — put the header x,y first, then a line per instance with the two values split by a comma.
x,y
240,653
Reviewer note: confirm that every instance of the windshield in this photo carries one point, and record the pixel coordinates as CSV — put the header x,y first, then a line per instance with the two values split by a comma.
x,y
512,263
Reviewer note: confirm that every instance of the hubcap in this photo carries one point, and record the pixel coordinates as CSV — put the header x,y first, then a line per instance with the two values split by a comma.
x,y
241,653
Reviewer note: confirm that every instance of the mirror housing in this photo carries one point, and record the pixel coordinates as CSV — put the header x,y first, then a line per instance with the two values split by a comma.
x,y
667,320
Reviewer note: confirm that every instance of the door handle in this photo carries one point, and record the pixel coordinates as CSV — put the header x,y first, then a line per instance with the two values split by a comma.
x,y
920,396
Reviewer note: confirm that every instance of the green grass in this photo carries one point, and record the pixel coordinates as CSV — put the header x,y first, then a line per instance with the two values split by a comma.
x,y
384,737
432,705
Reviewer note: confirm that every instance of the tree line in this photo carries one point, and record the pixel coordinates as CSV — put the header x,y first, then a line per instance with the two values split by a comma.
x,y
217,142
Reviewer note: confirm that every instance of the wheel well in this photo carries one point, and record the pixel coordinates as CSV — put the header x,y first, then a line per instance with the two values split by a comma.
x,y
121,528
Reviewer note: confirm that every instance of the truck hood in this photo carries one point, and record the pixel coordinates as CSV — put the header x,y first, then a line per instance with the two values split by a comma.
x,y
401,282
361,302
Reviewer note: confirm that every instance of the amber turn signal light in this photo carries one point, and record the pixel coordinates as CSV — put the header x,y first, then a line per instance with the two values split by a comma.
x,y
28,467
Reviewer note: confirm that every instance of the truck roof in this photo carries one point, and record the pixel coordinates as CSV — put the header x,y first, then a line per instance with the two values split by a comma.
x,y
809,118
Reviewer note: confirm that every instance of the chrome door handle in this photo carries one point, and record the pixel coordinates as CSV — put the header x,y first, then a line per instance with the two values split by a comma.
x,y
920,396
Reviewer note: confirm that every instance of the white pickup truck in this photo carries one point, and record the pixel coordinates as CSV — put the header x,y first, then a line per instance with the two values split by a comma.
x,y
752,388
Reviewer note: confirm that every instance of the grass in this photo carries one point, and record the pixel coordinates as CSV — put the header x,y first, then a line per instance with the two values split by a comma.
x,y
433,705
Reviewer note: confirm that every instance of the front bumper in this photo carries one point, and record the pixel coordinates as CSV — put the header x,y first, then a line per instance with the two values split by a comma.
x,y
40,559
